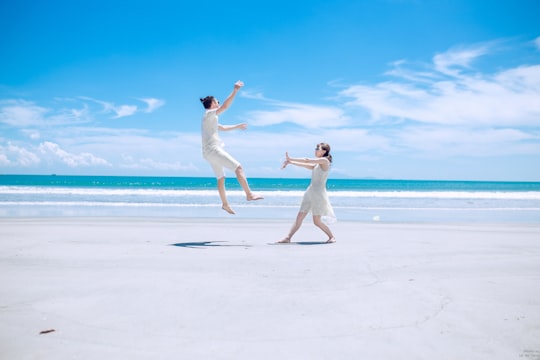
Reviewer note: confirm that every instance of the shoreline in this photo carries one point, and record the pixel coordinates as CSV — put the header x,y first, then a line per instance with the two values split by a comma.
x,y
169,288
288,213
223,217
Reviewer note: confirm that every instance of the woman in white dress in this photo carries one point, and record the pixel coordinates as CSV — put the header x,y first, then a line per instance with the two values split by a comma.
x,y
212,146
315,199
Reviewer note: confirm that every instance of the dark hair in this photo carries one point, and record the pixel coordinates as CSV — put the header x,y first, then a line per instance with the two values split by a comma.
x,y
326,149
207,101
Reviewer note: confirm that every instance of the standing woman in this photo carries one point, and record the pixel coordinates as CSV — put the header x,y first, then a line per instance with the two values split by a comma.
x,y
212,146
315,198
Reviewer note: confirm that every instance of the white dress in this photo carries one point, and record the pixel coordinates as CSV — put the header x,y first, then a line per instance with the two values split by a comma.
x,y
212,146
315,198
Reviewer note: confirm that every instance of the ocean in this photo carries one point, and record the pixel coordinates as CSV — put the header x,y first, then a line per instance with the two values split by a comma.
x,y
365,200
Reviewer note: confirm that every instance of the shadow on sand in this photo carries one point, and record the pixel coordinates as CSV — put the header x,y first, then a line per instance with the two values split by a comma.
x,y
303,243
203,244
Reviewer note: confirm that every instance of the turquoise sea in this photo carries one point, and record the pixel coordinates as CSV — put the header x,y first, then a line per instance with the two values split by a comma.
x,y
353,200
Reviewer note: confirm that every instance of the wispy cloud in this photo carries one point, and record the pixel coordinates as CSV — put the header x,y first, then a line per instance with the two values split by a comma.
x,y
152,164
305,115
453,61
452,93
434,141
120,111
72,160
537,42
152,104
26,114
23,113
124,110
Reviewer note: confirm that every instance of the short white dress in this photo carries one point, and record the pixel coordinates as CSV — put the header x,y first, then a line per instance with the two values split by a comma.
x,y
212,146
316,198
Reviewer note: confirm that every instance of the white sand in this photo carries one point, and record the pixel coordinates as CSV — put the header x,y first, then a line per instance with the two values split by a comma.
x,y
118,289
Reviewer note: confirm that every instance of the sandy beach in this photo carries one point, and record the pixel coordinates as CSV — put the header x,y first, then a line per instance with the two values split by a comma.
x,y
164,288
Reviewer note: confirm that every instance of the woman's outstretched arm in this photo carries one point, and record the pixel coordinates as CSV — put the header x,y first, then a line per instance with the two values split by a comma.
x,y
228,101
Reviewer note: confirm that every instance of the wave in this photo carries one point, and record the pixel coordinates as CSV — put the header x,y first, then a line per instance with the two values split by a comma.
x,y
182,193
259,205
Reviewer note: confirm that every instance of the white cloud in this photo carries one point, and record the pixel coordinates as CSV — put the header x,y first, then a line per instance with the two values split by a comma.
x,y
14,155
147,163
4,161
453,95
256,95
537,42
453,61
117,111
120,111
164,166
152,104
32,134
305,115
21,113
124,110
444,141
72,160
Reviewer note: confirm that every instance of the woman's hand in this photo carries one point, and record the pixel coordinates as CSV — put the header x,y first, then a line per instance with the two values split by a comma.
x,y
287,161
238,84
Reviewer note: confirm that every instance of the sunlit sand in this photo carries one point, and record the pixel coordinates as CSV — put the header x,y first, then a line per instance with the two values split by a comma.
x,y
164,288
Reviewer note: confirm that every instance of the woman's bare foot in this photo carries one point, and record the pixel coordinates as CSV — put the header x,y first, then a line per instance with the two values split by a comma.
x,y
252,196
285,240
331,240
228,209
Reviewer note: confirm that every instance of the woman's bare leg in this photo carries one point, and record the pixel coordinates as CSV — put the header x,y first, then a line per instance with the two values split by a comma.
x,y
294,228
244,184
318,222
223,195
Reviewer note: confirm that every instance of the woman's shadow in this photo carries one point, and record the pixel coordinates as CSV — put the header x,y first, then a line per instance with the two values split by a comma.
x,y
203,244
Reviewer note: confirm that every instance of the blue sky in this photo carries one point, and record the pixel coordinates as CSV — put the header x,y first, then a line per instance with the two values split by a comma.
x,y
400,89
